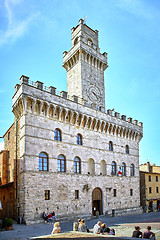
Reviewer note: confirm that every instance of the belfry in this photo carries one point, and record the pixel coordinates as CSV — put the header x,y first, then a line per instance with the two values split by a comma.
x,y
85,66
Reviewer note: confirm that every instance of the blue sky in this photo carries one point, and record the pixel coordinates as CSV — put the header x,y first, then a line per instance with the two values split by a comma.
x,y
34,35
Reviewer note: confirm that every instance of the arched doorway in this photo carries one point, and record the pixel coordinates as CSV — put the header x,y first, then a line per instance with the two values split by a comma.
x,y
97,201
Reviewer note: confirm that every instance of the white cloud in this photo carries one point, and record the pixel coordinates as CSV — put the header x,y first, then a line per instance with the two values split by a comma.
x,y
1,146
16,26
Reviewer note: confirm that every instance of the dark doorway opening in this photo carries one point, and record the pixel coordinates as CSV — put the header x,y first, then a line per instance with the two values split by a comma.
x,y
150,207
97,202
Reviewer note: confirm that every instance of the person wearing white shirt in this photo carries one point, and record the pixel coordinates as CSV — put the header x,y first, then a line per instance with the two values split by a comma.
x,y
96,228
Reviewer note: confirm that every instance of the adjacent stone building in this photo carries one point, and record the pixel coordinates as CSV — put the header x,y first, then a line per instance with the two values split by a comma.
x,y
150,187
73,156
7,175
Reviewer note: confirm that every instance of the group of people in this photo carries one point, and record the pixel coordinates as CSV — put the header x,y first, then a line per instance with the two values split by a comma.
x,y
49,217
99,228
80,226
147,234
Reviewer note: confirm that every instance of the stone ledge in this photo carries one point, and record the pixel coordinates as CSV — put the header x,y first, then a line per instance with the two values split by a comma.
x,y
81,236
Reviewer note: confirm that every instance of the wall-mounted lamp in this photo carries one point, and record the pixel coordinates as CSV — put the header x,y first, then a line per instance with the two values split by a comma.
x,y
86,187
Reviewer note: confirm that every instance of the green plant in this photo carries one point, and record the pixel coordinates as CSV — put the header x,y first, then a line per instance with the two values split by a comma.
x,y
7,222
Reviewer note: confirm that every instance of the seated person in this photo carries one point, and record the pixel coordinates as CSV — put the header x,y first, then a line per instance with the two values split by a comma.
x,y
50,220
104,229
137,233
79,220
56,228
44,215
53,216
82,226
148,234
75,226
97,227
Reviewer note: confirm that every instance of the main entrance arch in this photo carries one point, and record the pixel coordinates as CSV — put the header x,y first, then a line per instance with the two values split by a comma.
x,y
97,201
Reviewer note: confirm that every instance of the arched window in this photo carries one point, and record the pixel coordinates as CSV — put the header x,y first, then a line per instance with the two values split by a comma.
x,y
123,169
79,139
90,43
113,168
77,165
110,146
100,108
57,134
76,41
103,167
132,171
91,166
127,149
43,162
61,163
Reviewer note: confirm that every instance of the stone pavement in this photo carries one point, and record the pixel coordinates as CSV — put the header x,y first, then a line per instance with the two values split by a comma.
x,y
123,226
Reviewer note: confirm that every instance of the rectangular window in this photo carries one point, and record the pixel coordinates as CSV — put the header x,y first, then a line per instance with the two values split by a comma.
x,y
149,178
8,175
157,190
13,173
8,155
131,192
8,135
156,178
76,194
115,192
150,190
47,194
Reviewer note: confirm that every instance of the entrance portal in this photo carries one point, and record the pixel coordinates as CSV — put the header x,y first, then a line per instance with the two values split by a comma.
x,y
97,201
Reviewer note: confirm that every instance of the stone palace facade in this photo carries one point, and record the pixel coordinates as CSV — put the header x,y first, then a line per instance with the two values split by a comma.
x,y
73,156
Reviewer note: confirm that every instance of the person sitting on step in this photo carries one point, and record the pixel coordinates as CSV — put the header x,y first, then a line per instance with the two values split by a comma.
x,y
56,228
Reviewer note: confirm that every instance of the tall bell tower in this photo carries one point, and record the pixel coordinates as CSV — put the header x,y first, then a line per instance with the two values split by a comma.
x,y
85,67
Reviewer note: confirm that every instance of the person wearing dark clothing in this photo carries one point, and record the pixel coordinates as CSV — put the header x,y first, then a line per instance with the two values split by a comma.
x,y
104,229
53,216
45,217
148,234
137,233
